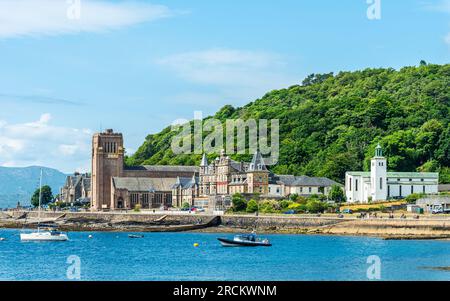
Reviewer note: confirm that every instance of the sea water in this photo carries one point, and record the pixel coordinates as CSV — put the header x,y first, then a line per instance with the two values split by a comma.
x,y
173,257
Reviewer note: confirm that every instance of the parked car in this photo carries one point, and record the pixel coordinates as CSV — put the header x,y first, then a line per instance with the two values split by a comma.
x,y
437,210
347,211
290,212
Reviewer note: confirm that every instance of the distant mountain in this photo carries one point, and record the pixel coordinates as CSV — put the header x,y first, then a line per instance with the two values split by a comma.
x,y
18,184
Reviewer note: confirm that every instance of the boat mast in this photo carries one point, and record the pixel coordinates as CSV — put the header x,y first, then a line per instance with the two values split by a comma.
x,y
40,199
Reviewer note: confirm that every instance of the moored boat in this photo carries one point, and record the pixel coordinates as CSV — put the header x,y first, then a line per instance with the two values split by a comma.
x,y
250,240
51,235
135,236
43,235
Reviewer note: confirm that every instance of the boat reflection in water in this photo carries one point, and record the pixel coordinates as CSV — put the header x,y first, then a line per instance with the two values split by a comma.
x,y
248,240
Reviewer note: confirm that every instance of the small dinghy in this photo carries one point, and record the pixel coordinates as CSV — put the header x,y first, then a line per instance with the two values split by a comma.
x,y
135,236
250,240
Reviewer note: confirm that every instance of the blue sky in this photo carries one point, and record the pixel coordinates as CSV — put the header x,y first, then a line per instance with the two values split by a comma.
x,y
136,66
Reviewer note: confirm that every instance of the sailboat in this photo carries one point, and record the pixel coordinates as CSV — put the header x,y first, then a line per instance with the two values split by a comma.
x,y
43,235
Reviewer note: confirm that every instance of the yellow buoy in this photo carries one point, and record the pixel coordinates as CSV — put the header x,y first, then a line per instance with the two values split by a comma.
x,y
196,245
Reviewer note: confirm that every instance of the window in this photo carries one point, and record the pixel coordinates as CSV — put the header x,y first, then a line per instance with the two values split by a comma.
x,y
310,189
356,185
400,190
350,184
423,189
412,189
381,183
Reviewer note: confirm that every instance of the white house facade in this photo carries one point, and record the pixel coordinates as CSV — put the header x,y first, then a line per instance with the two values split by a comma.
x,y
380,185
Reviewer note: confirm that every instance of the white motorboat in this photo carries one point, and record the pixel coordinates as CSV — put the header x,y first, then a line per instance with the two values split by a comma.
x,y
43,235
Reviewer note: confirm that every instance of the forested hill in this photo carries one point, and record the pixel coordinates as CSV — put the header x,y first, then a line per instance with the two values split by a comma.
x,y
331,124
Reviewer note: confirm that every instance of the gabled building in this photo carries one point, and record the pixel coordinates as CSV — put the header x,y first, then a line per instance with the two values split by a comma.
x,y
285,185
76,188
185,190
225,176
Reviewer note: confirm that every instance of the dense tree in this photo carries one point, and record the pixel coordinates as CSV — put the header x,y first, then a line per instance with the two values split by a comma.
x,y
252,206
331,123
239,203
337,194
46,196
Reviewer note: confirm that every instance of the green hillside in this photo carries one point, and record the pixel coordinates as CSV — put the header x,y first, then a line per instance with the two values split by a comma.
x,y
331,124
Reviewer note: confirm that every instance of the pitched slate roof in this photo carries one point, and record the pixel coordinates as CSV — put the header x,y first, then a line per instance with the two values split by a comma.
x,y
185,182
257,163
204,162
398,174
165,168
304,181
144,184
87,184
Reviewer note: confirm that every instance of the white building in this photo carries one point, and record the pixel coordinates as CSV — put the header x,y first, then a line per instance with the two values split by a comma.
x,y
285,185
380,185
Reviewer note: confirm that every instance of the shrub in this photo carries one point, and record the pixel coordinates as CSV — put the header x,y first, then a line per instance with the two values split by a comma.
x,y
412,198
186,205
252,206
302,200
294,197
137,208
239,203
285,204
297,207
269,207
316,206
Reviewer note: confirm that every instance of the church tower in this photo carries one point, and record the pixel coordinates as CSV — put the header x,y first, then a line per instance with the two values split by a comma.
x,y
378,171
107,162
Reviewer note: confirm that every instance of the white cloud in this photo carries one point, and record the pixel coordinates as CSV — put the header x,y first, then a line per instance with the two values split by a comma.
x,y
41,143
236,74
55,17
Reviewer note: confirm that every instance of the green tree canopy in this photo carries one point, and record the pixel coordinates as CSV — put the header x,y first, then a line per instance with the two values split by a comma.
x,y
252,206
46,196
239,203
337,194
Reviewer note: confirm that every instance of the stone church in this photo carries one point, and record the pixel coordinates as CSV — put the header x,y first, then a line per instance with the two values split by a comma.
x,y
115,186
